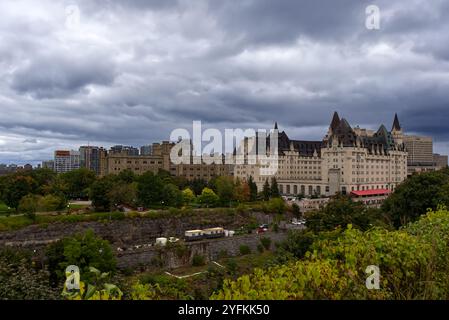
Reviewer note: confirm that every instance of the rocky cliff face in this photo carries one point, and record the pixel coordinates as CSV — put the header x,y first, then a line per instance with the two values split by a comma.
x,y
129,231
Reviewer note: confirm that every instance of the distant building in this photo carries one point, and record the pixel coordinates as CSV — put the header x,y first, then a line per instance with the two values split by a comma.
x,y
28,167
125,150
7,169
90,158
420,154
441,161
66,161
50,164
160,160
146,150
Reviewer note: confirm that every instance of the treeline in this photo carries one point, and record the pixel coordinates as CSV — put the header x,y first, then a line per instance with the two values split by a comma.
x,y
44,190
160,190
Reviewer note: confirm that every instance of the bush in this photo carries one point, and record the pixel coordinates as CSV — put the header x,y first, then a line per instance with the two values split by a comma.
x,y
277,205
83,250
266,242
413,263
21,280
198,260
28,205
244,250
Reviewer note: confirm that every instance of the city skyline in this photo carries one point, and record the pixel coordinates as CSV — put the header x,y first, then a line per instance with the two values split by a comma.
x,y
101,75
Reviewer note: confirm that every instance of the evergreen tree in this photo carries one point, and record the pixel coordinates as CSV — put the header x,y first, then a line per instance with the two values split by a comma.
x,y
252,189
274,188
266,191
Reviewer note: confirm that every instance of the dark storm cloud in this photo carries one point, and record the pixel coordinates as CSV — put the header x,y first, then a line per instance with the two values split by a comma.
x,y
131,71
59,76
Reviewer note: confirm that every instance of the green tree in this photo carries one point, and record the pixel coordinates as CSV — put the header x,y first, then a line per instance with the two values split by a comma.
x,y
277,205
188,196
18,187
99,194
225,189
252,188
340,212
415,195
78,183
83,250
149,189
126,176
274,188
172,196
122,193
296,211
44,179
197,186
208,198
266,190
29,205
51,202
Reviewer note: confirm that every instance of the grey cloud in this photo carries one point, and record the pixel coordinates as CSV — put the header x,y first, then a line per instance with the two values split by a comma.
x,y
136,70
59,76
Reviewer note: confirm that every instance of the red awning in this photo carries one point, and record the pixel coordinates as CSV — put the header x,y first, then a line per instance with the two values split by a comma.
x,y
374,192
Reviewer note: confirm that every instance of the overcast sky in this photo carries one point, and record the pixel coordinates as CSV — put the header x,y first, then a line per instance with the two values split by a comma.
x,y
132,71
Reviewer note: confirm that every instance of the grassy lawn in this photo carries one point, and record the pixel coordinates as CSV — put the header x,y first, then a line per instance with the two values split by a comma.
x,y
4,209
203,216
17,222
78,206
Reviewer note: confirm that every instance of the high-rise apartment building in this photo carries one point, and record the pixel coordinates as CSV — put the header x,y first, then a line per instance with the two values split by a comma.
x,y
66,160
91,157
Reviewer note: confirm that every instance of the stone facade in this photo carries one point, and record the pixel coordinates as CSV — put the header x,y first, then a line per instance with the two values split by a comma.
x,y
347,159
160,160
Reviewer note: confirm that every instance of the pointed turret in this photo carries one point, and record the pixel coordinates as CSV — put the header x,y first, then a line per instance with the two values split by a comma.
x,y
335,121
396,124
276,125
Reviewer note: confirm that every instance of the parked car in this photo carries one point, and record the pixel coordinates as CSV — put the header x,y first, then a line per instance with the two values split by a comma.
x,y
262,228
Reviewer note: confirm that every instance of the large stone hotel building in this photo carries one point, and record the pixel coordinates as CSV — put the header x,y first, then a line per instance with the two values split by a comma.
x,y
347,159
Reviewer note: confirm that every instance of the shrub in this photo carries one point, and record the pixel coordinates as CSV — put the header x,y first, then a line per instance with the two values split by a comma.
x,y
198,260
266,242
83,250
276,205
244,250
21,280
413,263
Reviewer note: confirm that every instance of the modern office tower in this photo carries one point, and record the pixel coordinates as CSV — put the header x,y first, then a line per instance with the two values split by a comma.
x,y
90,158
66,160
420,153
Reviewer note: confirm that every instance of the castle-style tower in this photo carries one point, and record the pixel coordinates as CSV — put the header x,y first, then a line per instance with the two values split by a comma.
x,y
396,131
